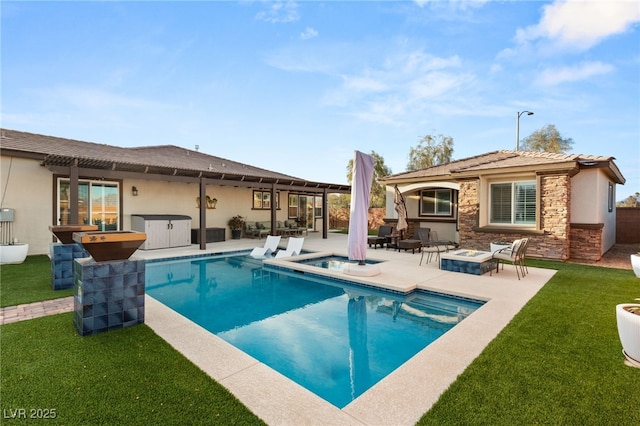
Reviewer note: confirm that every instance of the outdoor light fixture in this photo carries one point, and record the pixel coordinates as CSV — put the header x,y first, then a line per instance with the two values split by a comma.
x,y
134,191
518,127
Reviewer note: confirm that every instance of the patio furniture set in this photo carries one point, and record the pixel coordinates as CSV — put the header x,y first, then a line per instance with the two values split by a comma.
x,y
260,229
450,257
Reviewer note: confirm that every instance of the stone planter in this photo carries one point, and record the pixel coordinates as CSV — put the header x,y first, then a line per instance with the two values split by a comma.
x,y
236,234
629,332
110,245
13,253
635,264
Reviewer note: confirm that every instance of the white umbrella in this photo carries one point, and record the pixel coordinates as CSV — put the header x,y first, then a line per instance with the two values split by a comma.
x,y
401,209
359,214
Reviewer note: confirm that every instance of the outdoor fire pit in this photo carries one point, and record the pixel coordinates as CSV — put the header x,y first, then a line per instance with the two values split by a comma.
x,y
110,245
65,232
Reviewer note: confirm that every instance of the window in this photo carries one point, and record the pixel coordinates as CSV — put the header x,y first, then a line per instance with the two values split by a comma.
x,y
318,207
436,202
611,197
293,206
262,200
513,203
98,203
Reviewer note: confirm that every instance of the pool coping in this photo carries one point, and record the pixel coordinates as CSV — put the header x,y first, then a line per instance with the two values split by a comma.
x,y
400,398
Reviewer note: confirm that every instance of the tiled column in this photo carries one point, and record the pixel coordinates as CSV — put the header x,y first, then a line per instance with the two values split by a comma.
x,y
62,257
108,295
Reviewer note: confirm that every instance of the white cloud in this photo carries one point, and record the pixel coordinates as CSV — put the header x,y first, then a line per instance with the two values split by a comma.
x,y
406,84
582,24
555,76
453,4
309,33
280,12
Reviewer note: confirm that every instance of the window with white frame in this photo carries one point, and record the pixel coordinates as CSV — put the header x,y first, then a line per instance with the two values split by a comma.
x,y
513,203
436,202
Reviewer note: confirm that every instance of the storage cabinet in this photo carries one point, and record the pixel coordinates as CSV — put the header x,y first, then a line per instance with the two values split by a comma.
x,y
163,230
212,235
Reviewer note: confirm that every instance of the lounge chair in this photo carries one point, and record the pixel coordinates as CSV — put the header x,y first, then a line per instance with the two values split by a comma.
x,y
514,255
294,247
384,232
270,246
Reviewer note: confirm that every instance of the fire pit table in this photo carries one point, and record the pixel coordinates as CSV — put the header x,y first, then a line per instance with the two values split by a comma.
x,y
474,262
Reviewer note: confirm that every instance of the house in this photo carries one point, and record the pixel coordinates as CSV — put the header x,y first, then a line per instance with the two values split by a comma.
x,y
49,180
565,204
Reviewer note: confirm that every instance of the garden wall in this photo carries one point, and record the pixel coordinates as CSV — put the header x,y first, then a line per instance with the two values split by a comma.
x,y
628,225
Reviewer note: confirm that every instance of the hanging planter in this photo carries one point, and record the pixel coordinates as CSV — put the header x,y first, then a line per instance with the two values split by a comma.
x,y
210,202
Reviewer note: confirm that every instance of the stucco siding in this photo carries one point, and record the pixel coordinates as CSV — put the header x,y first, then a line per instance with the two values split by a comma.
x,y
26,188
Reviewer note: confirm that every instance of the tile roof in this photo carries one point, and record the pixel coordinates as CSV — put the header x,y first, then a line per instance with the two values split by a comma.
x,y
164,159
505,159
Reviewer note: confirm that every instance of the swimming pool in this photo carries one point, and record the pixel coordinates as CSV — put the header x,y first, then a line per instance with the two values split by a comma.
x,y
330,336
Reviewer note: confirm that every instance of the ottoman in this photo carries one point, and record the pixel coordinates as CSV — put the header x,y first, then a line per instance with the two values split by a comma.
x,y
410,245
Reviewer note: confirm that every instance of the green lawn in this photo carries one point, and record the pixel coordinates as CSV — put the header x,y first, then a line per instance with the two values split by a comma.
x,y
559,361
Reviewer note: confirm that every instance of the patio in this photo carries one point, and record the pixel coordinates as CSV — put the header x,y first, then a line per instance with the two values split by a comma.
x,y
400,398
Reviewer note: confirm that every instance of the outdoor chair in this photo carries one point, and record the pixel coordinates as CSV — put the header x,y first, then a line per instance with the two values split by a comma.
x,y
270,246
294,247
384,233
431,244
513,255
523,254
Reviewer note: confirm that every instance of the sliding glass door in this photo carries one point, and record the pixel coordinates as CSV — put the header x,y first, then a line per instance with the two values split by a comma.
x,y
98,204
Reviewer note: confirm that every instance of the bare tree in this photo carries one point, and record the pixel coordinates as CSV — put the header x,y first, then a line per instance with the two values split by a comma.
x,y
430,151
547,139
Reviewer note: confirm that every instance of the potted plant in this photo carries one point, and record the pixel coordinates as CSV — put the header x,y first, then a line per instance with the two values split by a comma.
x,y
628,320
11,251
635,263
236,224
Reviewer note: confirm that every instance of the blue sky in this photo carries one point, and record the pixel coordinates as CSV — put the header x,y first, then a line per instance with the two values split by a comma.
x,y
296,87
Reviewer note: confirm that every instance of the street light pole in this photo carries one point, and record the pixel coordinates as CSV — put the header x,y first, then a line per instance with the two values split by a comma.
x,y
518,114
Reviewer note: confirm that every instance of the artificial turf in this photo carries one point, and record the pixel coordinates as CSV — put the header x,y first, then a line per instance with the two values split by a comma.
x,y
559,361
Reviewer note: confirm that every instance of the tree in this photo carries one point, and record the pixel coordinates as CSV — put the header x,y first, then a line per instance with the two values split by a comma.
x,y
430,151
630,201
378,191
547,139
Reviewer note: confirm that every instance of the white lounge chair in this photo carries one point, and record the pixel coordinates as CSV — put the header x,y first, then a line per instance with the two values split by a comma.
x,y
294,247
270,246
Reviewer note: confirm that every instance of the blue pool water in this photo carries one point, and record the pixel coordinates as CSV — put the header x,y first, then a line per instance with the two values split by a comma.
x,y
330,336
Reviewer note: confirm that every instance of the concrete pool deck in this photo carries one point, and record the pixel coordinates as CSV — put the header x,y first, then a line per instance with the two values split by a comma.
x,y
402,397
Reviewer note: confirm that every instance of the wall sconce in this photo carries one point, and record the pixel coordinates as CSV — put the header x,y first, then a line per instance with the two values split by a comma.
x,y
134,191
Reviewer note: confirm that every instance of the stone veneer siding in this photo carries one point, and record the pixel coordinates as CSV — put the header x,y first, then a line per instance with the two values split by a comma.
x,y
586,241
552,243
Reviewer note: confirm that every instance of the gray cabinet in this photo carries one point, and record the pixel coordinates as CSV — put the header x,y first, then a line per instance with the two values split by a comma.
x,y
163,230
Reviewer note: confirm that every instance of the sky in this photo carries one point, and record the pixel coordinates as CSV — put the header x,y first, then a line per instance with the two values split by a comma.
x,y
297,86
